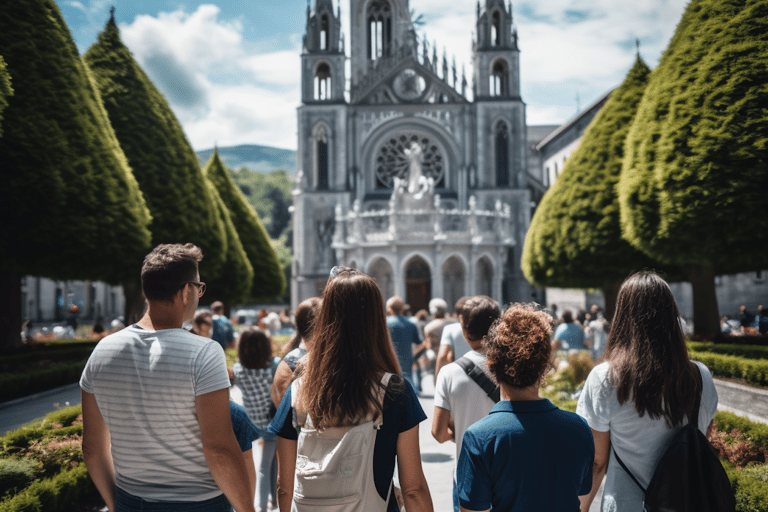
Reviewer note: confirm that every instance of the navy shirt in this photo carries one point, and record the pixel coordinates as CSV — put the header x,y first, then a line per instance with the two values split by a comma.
x,y
404,335
402,412
245,431
524,456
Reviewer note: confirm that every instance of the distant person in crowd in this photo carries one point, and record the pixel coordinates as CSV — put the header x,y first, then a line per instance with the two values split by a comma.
x,y
433,331
223,331
527,454
569,335
254,372
351,376
725,326
156,413
762,319
581,318
556,319
638,399
26,332
459,399
286,319
202,323
452,342
597,335
272,320
746,318
72,318
405,338
245,433
420,319
297,348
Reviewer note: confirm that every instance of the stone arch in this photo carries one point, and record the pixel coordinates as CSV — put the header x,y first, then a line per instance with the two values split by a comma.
x,y
417,271
379,27
322,81
321,136
499,77
381,270
496,28
501,152
484,272
454,275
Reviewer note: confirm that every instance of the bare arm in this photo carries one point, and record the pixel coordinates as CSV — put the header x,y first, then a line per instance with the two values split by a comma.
x,y
412,482
444,356
222,453
602,452
283,376
286,467
442,425
250,467
97,449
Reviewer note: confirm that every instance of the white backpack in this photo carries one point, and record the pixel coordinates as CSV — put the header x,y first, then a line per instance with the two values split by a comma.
x,y
334,466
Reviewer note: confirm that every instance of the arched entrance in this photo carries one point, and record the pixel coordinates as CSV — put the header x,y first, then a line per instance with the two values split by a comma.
x,y
453,281
381,271
484,277
418,284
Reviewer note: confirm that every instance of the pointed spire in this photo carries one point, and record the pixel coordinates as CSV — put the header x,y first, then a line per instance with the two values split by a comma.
x,y
463,81
637,43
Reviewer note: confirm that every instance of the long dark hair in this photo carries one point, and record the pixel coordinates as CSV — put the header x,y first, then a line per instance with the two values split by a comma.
x,y
351,350
646,350
304,320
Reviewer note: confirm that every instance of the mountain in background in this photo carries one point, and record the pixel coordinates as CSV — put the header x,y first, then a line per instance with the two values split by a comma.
x,y
262,159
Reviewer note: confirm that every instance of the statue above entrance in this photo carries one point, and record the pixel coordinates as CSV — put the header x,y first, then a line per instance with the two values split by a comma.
x,y
417,193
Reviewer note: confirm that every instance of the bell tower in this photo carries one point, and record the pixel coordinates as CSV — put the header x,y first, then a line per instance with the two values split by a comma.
x,y
496,55
378,28
322,61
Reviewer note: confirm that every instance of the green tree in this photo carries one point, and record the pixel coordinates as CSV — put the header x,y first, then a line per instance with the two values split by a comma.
x,y
72,207
164,163
692,187
268,281
574,240
6,90
269,194
233,284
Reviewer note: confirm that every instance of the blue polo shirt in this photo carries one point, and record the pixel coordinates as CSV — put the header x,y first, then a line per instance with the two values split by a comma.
x,y
404,335
526,456
571,335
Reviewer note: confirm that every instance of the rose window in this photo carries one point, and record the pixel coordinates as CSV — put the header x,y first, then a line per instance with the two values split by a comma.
x,y
393,162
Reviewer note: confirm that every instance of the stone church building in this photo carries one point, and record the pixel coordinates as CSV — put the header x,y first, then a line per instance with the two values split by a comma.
x,y
408,169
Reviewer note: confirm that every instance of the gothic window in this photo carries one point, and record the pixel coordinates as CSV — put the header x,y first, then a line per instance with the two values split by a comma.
x,y
499,85
501,143
321,141
392,162
379,29
324,32
496,29
323,82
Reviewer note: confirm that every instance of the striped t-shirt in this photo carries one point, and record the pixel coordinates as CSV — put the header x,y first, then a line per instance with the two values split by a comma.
x,y
145,383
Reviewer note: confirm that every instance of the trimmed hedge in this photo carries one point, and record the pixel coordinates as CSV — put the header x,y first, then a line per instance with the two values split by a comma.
x,y
57,494
752,371
751,493
757,432
17,385
730,349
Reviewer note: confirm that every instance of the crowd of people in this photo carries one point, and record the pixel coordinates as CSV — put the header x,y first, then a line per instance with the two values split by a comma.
x,y
337,417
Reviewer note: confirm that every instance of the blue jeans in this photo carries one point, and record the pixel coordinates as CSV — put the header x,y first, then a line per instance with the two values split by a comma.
x,y
125,502
266,479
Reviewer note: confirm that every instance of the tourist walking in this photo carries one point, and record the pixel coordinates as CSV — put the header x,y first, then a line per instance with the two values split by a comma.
x,y
350,378
405,338
452,342
460,399
253,374
643,393
569,335
156,413
526,454
223,331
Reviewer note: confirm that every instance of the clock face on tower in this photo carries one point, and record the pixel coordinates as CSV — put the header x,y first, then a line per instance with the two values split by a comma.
x,y
409,85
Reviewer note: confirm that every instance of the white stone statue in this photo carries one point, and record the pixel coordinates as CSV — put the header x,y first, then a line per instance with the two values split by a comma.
x,y
418,184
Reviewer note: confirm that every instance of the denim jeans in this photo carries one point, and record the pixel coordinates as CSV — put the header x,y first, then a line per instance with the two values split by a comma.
x,y
266,475
125,502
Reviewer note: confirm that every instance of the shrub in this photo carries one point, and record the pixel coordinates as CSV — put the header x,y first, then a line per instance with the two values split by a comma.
x,y
56,453
24,437
56,494
732,349
753,371
757,433
736,448
17,474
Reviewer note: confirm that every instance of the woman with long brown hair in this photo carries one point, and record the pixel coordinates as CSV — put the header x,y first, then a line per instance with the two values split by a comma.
x,y
341,384
643,393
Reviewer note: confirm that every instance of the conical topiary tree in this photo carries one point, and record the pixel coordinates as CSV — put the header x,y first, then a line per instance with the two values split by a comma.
x,y
268,281
233,284
72,208
164,163
692,187
574,240
6,90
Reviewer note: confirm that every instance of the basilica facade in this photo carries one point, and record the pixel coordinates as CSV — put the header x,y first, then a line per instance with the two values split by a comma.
x,y
409,169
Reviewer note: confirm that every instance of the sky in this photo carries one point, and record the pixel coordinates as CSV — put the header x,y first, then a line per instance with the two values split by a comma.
x,y
230,69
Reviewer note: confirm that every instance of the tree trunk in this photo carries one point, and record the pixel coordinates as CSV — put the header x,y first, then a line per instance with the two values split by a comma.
x,y
135,305
10,306
611,293
705,311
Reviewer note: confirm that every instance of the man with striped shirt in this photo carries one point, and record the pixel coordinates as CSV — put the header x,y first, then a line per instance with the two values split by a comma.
x,y
156,423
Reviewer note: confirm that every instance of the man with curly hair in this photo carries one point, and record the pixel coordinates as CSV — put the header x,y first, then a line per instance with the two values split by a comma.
x,y
526,454
460,400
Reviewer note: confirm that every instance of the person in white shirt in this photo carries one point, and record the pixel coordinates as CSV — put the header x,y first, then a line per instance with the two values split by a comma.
x,y
459,400
452,342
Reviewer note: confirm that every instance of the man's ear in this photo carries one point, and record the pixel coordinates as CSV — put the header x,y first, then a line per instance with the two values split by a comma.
x,y
185,291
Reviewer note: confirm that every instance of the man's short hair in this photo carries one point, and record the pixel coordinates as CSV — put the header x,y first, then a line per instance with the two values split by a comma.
x,y
438,308
396,304
459,306
217,307
167,269
477,316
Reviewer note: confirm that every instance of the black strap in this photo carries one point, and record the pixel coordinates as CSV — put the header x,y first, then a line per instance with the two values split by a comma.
x,y
692,419
479,376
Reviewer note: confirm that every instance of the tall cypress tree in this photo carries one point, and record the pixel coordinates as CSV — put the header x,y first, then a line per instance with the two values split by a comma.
x,y
268,281
6,90
233,284
164,163
692,187
574,240
73,209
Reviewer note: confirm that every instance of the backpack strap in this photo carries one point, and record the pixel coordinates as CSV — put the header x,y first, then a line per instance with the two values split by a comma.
x,y
299,417
621,463
480,378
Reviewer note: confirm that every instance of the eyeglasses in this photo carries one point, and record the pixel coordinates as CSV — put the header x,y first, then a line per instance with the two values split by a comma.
x,y
342,270
200,287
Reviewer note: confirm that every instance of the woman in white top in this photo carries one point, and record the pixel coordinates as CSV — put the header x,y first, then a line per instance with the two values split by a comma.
x,y
641,395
